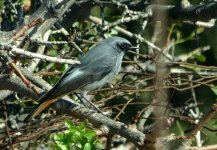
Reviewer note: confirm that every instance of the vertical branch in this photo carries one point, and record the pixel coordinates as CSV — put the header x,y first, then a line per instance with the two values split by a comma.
x,y
160,95
6,124
139,36
196,113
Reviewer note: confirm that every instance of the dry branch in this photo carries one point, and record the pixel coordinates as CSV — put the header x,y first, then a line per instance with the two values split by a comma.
x,y
19,51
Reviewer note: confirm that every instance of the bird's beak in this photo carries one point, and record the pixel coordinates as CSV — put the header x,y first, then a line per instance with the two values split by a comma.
x,y
133,48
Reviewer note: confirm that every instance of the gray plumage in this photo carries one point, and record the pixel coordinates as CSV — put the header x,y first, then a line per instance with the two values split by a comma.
x,y
98,67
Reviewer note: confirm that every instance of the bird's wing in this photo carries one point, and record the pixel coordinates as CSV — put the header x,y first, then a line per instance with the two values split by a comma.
x,y
79,76
75,77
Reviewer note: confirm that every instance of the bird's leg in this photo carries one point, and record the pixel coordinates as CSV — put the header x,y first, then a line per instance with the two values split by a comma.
x,y
82,98
79,97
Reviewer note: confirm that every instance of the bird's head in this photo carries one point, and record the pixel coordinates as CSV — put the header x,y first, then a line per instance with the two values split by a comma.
x,y
120,44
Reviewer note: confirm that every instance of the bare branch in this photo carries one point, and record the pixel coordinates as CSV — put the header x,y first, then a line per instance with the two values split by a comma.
x,y
15,84
19,51
204,120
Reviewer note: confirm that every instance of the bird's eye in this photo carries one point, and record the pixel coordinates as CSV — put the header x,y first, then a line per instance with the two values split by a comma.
x,y
124,45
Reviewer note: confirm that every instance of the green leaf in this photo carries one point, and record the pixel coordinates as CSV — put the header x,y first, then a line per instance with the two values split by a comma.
x,y
114,32
98,144
214,89
89,133
82,126
68,138
66,46
75,129
200,58
87,146
78,137
58,137
92,32
55,146
64,147
53,52
69,123
24,1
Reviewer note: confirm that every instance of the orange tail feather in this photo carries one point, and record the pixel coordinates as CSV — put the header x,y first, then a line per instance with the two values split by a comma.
x,y
39,109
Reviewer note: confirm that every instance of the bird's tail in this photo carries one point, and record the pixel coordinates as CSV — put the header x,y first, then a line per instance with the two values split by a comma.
x,y
39,109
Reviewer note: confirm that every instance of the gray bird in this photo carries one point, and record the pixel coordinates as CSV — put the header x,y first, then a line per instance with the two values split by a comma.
x,y
97,67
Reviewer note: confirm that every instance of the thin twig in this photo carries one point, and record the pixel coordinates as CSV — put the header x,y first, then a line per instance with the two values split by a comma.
x,y
204,120
22,31
23,78
6,124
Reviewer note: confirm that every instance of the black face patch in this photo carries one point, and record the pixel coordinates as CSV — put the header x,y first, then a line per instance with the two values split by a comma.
x,y
124,46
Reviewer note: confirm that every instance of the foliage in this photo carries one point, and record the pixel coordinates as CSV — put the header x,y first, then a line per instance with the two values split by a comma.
x,y
76,137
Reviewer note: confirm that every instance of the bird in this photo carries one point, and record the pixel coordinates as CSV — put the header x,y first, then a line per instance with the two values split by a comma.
x,y
97,67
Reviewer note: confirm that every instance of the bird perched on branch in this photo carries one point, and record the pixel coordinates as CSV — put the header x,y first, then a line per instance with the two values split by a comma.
x,y
97,67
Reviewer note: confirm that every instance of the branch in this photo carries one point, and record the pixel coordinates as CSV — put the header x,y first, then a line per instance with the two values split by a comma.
x,y
205,119
130,34
208,147
73,109
15,84
19,51
38,81
205,11
4,94
52,13
26,27
98,119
